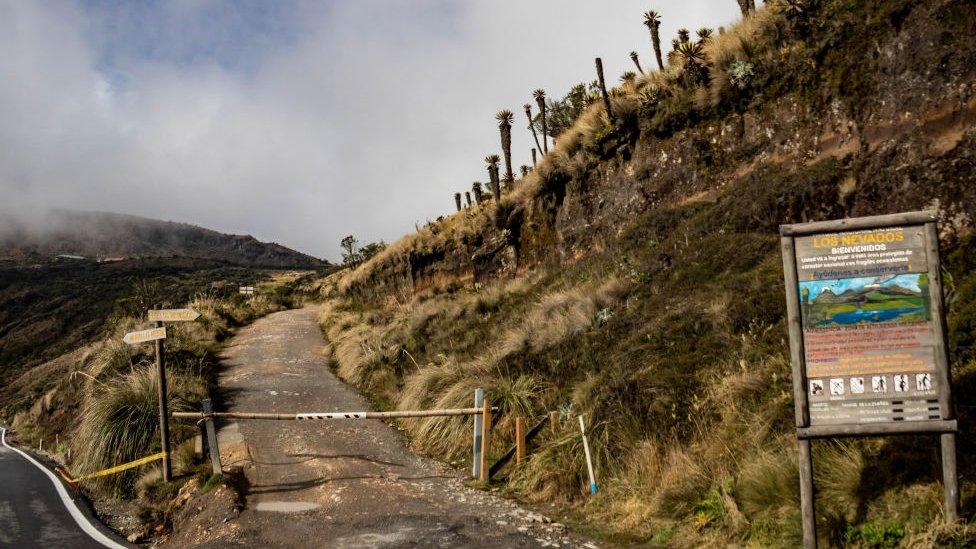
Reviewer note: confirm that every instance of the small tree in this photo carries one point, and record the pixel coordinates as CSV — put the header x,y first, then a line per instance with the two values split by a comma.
x,y
798,14
505,120
525,170
476,189
349,244
628,77
540,100
695,63
371,249
492,160
704,35
528,114
636,60
684,35
467,197
603,89
652,20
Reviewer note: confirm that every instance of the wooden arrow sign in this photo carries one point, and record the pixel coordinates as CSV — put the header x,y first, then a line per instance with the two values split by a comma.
x,y
143,336
173,315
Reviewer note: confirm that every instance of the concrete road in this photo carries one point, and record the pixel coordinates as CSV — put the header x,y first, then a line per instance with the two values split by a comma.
x,y
344,483
37,511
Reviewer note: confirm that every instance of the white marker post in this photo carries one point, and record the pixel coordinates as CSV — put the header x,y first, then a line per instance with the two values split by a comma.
x,y
589,460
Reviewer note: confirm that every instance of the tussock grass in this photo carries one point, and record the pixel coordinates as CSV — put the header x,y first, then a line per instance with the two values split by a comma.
x,y
121,422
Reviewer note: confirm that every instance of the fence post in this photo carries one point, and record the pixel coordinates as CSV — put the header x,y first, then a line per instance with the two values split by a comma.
x,y
479,400
519,440
485,431
553,418
211,436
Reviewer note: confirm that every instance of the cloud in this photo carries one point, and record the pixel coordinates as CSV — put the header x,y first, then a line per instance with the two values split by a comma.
x,y
298,123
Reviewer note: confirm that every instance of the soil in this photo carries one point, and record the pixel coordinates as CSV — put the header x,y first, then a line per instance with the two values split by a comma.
x,y
339,483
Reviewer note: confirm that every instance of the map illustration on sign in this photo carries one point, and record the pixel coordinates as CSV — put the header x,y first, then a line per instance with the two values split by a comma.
x,y
874,300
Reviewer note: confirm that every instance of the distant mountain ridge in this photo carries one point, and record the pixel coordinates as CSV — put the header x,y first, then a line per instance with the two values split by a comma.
x,y
108,236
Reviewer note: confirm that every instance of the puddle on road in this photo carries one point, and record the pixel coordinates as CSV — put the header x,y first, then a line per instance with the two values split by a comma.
x,y
286,506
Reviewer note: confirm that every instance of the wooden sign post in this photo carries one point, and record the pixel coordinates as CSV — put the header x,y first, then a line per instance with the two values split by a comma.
x,y
867,338
158,335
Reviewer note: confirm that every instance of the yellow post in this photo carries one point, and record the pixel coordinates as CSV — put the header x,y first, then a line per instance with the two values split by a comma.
x,y
485,429
519,440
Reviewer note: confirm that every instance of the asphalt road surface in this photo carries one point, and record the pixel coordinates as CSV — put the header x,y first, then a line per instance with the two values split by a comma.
x,y
343,483
36,510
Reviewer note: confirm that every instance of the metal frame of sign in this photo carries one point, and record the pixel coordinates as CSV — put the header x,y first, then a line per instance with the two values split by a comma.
x,y
945,425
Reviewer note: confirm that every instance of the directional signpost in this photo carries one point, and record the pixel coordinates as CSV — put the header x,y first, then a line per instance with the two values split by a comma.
x,y
158,335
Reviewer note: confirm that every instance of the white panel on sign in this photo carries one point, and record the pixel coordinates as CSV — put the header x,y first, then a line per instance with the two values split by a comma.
x,y
173,315
143,336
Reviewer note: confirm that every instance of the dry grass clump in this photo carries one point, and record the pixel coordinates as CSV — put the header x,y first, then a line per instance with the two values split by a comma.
x,y
740,43
120,421
556,317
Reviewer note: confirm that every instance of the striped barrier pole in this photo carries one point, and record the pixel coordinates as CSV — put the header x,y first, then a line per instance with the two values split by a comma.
x,y
333,415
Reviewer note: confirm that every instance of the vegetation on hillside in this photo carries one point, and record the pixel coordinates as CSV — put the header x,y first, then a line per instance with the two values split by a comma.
x,y
666,329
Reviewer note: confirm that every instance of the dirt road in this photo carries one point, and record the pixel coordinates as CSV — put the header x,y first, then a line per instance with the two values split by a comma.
x,y
344,483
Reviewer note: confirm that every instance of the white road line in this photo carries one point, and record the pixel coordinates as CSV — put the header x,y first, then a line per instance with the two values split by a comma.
x,y
69,503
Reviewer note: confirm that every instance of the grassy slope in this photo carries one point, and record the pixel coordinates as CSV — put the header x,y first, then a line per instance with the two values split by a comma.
x,y
670,335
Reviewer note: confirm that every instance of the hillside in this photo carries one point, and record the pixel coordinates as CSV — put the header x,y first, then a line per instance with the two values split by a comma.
x,y
634,276
100,235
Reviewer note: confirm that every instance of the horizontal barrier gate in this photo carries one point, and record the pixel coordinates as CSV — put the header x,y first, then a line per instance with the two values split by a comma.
x,y
482,414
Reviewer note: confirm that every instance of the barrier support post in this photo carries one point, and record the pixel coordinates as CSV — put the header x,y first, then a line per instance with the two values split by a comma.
x,y
212,437
485,433
479,401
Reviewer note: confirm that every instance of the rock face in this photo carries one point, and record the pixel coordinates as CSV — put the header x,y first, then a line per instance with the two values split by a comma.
x,y
108,236
892,129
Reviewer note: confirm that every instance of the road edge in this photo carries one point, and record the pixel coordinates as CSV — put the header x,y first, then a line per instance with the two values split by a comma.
x,y
82,514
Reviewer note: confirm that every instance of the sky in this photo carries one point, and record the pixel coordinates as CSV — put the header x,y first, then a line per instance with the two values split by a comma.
x,y
295,121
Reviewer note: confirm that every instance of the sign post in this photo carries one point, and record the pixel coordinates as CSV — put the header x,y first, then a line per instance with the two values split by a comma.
x,y
158,335
163,405
867,338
